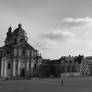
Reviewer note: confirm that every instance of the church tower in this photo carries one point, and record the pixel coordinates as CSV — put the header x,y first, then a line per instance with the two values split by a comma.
x,y
9,36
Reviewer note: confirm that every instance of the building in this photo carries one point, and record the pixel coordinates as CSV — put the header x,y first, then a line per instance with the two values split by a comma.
x,y
17,57
89,59
67,65
84,68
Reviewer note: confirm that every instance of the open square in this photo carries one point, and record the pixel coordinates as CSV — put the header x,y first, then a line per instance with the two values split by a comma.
x,y
47,85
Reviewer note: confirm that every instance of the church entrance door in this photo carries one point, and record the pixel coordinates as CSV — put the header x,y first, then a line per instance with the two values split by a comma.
x,y
22,72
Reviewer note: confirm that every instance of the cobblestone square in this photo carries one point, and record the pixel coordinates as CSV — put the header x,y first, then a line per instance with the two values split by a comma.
x,y
47,85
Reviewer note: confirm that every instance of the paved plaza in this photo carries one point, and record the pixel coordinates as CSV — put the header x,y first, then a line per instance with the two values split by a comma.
x,y
47,85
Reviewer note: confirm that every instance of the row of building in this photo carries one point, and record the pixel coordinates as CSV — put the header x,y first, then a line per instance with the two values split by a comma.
x,y
19,59
67,65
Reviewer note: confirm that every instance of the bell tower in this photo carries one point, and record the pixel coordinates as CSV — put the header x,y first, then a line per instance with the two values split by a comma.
x,y
9,36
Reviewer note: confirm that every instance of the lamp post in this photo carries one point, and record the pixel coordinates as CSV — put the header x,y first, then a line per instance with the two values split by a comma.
x,y
32,56
39,63
66,68
71,69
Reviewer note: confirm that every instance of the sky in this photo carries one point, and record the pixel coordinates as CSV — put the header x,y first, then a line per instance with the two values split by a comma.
x,y
54,27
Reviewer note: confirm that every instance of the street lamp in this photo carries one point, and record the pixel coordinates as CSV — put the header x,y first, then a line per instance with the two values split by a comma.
x,y
38,60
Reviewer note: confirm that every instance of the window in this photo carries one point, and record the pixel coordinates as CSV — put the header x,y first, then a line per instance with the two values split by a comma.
x,y
15,40
8,52
21,40
23,52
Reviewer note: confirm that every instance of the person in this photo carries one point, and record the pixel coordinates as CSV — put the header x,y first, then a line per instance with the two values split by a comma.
x,y
62,79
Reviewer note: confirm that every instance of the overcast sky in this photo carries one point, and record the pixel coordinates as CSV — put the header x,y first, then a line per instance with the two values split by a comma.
x,y
55,27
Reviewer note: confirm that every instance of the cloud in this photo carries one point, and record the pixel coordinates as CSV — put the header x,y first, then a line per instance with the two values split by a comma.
x,y
81,27
78,20
75,39
59,35
73,22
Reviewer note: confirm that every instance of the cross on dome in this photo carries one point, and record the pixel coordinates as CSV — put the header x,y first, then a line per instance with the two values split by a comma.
x,y
19,25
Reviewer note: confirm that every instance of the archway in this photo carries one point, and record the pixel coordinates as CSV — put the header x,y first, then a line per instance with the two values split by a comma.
x,y
22,72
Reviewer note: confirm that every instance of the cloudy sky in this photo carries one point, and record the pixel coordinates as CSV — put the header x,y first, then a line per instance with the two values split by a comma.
x,y
55,27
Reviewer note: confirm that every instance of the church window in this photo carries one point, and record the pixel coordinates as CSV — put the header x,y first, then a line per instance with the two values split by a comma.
x,y
21,40
23,52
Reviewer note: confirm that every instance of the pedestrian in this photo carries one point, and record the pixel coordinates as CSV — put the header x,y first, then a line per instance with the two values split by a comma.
x,y
62,79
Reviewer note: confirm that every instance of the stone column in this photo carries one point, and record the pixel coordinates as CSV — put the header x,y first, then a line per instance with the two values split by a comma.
x,y
2,69
66,67
27,65
19,52
27,68
71,69
5,69
14,67
19,66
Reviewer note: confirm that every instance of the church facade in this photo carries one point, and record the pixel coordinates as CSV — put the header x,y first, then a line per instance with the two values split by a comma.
x,y
17,57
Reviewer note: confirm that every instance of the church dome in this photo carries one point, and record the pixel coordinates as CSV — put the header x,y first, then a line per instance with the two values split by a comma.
x,y
19,31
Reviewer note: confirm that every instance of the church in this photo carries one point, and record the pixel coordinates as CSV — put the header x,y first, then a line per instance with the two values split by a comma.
x,y
17,57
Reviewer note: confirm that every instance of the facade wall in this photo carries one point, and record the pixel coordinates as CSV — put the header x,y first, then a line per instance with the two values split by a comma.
x,y
84,67
46,70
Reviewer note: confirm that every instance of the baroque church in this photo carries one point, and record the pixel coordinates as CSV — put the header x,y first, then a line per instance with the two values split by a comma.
x,y
17,57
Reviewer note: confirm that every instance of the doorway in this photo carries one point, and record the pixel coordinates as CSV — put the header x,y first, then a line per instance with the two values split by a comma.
x,y
22,72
